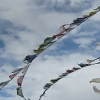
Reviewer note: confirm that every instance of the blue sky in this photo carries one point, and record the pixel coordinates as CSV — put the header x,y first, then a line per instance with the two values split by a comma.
x,y
24,24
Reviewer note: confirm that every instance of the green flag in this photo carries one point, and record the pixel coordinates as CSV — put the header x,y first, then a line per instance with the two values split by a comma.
x,y
48,85
98,8
2,84
55,80
48,40
19,92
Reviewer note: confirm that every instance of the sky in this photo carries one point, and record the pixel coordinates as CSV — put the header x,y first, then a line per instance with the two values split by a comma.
x,y
24,24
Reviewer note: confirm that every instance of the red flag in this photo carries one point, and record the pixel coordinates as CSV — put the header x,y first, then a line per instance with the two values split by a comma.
x,y
12,76
61,33
69,71
58,36
20,79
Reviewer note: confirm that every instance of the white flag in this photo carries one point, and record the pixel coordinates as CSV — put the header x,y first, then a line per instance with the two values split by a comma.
x,y
96,90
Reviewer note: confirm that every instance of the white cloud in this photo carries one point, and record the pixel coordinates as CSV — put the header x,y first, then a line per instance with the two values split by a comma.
x,y
84,42
97,48
74,2
32,24
86,33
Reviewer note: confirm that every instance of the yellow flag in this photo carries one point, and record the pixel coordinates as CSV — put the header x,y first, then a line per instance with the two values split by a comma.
x,y
96,80
39,51
89,61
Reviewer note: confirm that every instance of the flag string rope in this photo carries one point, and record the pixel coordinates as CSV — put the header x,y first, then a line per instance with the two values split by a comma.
x,y
47,43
